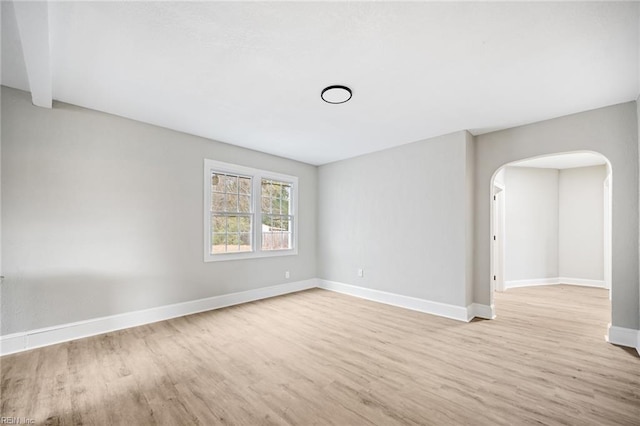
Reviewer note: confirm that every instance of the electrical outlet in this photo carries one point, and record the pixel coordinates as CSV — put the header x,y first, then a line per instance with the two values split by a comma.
x,y
286,274
361,273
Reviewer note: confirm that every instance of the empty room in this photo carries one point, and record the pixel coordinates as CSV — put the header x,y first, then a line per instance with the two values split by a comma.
x,y
319,213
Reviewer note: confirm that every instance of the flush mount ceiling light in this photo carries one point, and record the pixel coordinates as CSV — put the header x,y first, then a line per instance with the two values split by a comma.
x,y
336,94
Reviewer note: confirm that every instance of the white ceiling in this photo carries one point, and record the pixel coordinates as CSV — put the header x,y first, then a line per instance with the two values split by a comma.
x,y
251,73
563,161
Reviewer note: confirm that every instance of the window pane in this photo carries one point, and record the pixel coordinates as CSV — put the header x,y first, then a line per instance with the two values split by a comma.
x,y
285,198
267,188
276,233
217,182
233,243
266,205
232,203
245,241
231,184
275,206
217,202
244,224
244,185
244,204
219,224
232,224
219,243
267,241
265,196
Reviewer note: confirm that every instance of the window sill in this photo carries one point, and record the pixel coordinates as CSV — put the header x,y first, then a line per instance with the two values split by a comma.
x,y
222,257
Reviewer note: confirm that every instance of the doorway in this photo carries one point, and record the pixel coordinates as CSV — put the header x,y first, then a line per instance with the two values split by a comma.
x,y
536,242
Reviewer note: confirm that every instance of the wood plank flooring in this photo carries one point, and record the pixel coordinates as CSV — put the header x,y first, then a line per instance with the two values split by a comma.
x,y
322,358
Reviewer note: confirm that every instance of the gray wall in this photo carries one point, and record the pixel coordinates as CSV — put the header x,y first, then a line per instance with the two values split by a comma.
x,y
581,222
103,215
531,223
611,131
401,215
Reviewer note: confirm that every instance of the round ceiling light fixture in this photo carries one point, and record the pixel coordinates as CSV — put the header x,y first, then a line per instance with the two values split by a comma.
x,y
336,94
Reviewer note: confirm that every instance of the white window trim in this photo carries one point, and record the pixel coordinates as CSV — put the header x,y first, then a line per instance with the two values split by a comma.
x,y
256,233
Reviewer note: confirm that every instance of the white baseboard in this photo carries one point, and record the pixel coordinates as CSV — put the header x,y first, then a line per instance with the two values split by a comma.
x,y
530,283
553,281
436,308
481,311
32,339
582,281
624,337
11,343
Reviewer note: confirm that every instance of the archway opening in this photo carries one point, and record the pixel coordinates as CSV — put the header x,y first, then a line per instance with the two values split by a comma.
x,y
551,227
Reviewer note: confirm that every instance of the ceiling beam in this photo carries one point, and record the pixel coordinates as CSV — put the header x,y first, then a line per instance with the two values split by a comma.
x,y
33,24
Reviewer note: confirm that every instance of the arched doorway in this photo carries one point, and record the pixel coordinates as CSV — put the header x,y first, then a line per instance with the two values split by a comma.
x,y
554,226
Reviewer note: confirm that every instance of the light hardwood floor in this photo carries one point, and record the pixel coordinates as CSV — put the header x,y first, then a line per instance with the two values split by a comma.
x,y
322,358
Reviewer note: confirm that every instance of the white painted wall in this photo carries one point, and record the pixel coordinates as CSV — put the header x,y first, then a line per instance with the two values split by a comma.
x,y
554,225
611,131
581,219
531,223
401,215
102,215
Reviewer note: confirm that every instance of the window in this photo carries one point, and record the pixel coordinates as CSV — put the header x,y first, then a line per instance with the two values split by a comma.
x,y
231,218
248,212
276,220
